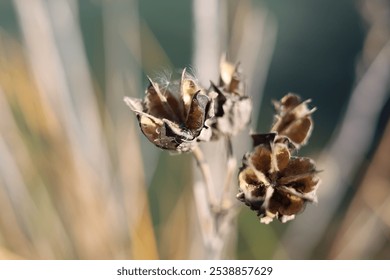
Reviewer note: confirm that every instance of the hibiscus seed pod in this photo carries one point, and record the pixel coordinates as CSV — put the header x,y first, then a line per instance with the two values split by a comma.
x,y
232,107
293,119
272,182
174,119
275,184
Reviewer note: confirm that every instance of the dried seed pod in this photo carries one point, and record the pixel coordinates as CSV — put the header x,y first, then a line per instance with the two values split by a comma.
x,y
293,119
174,121
232,108
273,183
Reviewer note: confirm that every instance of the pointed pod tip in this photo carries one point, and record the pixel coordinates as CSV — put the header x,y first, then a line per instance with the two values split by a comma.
x,y
150,80
183,73
128,101
135,104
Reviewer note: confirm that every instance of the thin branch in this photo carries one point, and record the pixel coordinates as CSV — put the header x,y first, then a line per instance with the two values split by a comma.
x,y
230,168
206,174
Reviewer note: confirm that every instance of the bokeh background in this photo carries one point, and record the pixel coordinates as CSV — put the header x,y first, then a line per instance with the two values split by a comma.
x,y
79,181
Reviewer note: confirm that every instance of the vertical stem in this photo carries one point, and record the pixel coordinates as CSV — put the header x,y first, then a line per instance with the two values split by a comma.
x,y
215,220
206,174
230,167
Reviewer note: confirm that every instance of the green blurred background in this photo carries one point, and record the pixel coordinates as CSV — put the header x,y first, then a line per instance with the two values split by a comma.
x,y
137,200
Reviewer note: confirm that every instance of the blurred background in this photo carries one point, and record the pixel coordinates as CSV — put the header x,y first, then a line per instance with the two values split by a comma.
x,y
78,180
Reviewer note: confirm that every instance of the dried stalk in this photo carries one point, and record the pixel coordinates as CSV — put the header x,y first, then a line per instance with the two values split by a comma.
x,y
358,236
255,53
206,173
123,75
230,168
214,216
80,169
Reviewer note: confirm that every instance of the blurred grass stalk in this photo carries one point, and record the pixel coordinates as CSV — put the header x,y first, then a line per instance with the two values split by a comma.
x,y
72,182
122,44
363,233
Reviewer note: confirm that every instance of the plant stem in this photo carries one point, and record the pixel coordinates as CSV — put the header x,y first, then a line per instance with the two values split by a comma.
x,y
206,174
215,220
230,167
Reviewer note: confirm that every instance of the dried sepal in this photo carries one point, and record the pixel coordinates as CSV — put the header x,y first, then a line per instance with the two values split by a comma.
x,y
230,79
273,183
293,119
232,107
172,120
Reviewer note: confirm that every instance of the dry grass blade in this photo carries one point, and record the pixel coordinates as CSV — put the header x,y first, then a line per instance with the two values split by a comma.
x,y
65,185
16,205
358,236
22,111
55,52
123,55
255,52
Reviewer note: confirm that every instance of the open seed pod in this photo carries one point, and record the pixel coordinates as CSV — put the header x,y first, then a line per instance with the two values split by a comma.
x,y
273,183
293,119
174,121
232,107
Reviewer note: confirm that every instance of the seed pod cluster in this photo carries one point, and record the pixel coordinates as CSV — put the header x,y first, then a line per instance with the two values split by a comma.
x,y
176,118
273,182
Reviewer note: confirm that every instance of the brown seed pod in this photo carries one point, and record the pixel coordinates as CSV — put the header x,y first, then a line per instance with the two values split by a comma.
x,y
273,183
174,121
232,107
293,119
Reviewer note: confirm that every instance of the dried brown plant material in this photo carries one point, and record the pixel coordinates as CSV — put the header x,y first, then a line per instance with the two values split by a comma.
x,y
232,107
293,119
273,183
174,120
